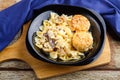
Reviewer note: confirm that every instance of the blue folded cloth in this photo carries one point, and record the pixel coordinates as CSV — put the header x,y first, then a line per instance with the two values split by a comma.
x,y
13,18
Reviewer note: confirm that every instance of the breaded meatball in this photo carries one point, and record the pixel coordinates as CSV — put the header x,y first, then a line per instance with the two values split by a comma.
x,y
80,23
82,41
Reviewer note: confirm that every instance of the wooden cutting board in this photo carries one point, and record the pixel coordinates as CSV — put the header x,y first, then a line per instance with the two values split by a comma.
x,y
43,70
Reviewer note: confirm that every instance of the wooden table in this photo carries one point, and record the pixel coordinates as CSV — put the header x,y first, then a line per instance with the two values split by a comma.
x,y
18,70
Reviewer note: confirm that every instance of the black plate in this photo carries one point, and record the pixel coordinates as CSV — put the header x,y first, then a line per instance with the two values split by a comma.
x,y
97,28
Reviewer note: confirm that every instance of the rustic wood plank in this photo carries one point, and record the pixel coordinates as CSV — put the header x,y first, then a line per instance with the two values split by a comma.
x,y
81,75
14,64
17,75
90,75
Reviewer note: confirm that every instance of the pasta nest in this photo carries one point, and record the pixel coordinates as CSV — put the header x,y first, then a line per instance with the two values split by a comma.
x,y
62,38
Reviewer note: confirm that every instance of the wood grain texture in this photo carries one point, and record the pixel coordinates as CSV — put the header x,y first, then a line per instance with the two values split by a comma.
x,y
81,75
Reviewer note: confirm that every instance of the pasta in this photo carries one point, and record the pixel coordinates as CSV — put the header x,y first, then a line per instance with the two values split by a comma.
x,y
55,37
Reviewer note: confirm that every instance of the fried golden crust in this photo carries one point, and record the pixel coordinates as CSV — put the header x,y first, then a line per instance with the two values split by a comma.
x,y
80,23
82,41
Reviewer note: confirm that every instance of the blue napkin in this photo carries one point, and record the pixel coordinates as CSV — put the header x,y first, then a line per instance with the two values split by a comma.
x,y
13,18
